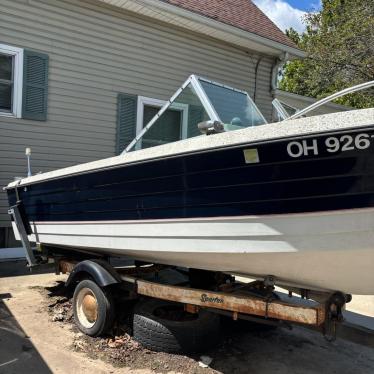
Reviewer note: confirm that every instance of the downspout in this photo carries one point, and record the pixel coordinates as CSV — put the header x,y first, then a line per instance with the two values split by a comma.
x,y
256,71
282,59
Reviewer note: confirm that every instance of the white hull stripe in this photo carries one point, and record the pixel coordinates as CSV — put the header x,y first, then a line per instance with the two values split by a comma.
x,y
334,251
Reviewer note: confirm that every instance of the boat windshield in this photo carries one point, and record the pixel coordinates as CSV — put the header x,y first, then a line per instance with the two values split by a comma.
x,y
234,108
198,100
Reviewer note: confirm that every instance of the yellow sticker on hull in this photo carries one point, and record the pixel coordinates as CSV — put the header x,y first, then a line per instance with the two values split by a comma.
x,y
251,156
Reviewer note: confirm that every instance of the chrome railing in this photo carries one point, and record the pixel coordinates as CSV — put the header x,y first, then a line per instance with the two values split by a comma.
x,y
334,96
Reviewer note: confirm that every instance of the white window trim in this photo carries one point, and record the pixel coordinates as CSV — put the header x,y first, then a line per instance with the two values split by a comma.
x,y
143,100
280,111
17,80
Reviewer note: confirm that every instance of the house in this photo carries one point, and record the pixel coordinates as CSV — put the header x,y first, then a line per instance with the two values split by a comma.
x,y
78,78
293,103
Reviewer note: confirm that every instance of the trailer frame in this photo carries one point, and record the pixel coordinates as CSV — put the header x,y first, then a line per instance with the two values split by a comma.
x,y
233,299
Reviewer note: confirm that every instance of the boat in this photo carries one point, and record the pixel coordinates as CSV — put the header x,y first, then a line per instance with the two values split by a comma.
x,y
292,199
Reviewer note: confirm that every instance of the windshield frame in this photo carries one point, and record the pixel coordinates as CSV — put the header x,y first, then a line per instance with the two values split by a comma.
x,y
194,81
198,78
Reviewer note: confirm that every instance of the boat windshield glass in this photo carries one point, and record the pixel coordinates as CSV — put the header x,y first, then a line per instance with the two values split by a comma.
x,y
198,100
234,108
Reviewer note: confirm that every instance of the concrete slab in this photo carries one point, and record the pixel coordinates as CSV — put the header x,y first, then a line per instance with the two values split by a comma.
x,y
17,352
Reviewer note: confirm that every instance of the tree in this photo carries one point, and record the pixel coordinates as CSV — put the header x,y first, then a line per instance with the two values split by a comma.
x,y
339,42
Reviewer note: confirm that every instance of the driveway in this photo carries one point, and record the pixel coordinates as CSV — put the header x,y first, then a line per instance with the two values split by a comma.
x,y
30,342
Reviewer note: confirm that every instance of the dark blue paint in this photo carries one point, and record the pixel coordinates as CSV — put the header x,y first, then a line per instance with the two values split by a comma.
x,y
215,183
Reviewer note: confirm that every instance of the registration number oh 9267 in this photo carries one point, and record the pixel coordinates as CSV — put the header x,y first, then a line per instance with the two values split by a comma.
x,y
332,144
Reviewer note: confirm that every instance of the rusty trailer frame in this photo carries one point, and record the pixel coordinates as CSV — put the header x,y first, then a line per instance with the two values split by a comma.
x,y
267,308
233,301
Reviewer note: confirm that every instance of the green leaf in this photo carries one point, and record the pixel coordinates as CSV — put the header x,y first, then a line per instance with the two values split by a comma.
x,y
339,42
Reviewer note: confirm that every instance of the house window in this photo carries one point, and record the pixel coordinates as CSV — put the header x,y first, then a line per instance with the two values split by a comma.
x,y
11,75
179,121
172,126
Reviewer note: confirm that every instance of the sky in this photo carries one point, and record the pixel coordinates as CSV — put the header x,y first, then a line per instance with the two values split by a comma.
x,y
288,13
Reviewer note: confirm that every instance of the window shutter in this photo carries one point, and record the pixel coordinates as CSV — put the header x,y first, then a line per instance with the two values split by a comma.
x,y
126,120
35,86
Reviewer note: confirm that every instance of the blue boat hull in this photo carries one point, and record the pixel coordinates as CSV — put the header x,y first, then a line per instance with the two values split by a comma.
x,y
214,183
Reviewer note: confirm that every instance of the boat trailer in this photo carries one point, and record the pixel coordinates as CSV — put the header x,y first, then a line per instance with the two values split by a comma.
x,y
254,301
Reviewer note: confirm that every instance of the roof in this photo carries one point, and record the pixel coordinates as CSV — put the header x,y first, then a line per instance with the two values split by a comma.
x,y
293,99
238,22
243,14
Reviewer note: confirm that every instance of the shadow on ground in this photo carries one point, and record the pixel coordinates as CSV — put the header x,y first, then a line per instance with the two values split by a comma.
x,y
17,353
19,268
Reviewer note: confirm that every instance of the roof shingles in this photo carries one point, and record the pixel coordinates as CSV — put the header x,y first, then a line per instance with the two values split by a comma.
x,y
242,14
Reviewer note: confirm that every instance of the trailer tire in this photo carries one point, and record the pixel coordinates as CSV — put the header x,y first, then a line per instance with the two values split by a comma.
x,y
154,331
93,308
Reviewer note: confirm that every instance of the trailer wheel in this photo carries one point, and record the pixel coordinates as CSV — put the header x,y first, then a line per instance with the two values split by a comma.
x,y
93,308
164,326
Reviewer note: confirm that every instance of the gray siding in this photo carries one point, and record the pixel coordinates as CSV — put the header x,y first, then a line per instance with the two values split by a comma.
x,y
301,102
95,52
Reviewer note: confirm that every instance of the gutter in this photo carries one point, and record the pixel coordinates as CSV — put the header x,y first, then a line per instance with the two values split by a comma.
x,y
226,28
163,9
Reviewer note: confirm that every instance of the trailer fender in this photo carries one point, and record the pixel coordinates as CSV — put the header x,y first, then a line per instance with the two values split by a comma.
x,y
102,273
